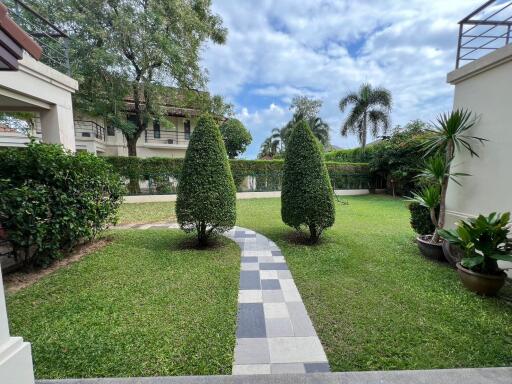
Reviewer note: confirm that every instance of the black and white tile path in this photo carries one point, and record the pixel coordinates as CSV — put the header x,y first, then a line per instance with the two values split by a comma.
x,y
274,332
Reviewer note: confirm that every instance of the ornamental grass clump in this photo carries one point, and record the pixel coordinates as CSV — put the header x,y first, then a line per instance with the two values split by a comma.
x,y
307,197
206,201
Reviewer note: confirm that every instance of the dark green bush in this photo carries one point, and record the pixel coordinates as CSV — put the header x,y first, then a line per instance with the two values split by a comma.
x,y
236,137
307,198
268,173
420,219
51,200
206,201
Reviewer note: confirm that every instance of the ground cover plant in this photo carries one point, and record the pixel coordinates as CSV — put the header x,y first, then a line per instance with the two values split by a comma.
x,y
147,304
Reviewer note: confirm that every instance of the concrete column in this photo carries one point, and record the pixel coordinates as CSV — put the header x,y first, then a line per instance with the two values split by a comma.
x,y
57,126
15,354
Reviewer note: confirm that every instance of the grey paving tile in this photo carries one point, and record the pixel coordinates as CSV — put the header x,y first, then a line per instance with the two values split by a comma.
x,y
251,321
251,369
252,351
274,266
265,259
249,259
277,253
270,284
250,280
272,296
249,267
287,368
296,350
279,327
316,367
302,325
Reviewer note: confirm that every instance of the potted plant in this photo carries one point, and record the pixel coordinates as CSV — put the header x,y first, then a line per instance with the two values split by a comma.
x,y
484,241
448,134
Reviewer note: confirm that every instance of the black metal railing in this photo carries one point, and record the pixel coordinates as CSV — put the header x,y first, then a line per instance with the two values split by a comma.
x,y
484,30
162,136
85,129
53,41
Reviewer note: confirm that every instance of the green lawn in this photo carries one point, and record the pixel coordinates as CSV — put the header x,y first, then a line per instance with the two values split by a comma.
x,y
145,305
146,213
375,302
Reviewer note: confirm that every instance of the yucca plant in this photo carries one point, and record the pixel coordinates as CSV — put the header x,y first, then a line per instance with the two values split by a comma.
x,y
450,134
484,241
428,197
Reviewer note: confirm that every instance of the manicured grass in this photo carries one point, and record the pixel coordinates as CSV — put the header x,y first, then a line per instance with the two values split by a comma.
x,y
146,305
375,302
146,213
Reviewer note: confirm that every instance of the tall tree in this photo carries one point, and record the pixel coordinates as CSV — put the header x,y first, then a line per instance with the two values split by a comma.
x,y
133,49
371,107
305,107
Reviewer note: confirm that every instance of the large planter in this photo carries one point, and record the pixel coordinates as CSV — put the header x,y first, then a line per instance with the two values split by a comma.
x,y
487,285
432,251
452,253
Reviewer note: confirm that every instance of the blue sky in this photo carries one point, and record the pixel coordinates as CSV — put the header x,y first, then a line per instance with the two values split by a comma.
x,y
325,48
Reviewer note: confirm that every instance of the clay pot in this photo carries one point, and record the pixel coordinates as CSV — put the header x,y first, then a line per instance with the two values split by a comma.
x,y
486,285
432,251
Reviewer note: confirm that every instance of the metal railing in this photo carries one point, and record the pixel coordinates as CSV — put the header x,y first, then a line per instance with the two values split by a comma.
x,y
162,136
53,41
486,29
85,129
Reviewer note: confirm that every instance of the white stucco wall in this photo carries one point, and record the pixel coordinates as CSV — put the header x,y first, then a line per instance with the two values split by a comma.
x,y
484,87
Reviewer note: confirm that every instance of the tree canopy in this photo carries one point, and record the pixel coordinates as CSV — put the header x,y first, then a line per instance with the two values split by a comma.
x,y
134,49
236,137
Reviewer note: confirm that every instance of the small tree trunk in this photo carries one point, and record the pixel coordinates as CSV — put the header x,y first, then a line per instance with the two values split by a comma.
x,y
202,237
313,238
435,236
133,186
363,143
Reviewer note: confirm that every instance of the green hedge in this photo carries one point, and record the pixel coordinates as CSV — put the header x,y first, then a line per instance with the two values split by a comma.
x,y
52,200
162,173
354,155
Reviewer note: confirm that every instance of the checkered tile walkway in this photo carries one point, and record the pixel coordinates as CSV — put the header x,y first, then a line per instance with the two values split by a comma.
x,y
274,333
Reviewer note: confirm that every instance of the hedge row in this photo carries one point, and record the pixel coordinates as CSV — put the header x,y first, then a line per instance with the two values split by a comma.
x,y
267,173
354,155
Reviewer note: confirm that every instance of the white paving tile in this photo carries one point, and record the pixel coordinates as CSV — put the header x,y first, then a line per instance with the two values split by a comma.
x,y
267,275
275,310
249,266
251,369
250,296
296,350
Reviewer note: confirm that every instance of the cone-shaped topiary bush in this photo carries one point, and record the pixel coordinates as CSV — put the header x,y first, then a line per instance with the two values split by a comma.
x,y
307,196
206,201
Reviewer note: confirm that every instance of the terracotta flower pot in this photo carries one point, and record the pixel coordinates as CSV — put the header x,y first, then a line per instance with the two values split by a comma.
x,y
487,285
432,251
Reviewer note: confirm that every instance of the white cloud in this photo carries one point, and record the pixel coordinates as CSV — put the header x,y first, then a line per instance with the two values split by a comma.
x,y
278,49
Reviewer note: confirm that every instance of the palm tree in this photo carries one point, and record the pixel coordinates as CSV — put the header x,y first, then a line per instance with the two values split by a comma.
x,y
320,129
370,106
269,148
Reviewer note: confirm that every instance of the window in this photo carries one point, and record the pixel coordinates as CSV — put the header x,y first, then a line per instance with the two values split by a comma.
x,y
186,129
111,130
156,129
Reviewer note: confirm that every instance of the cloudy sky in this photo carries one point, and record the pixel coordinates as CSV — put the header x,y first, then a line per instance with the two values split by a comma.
x,y
326,48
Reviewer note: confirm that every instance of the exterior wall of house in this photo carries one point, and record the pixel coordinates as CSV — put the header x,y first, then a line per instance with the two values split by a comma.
x,y
484,87
171,143
36,87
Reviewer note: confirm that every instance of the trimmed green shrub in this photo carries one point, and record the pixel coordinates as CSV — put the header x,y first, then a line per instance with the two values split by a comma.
x,y
236,137
420,219
51,200
268,173
307,198
206,201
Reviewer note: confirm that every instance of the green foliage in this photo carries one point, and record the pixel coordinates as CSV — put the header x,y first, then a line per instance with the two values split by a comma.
x,y
236,137
132,49
307,195
420,219
206,201
397,158
354,155
484,240
371,107
268,173
51,200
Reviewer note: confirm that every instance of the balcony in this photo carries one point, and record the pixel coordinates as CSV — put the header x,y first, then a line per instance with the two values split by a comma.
x,y
89,131
486,29
166,139
50,38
